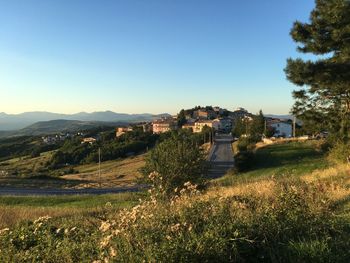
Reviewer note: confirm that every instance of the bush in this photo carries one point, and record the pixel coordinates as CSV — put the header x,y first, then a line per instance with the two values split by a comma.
x,y
339,153
176,160
247,143
244,160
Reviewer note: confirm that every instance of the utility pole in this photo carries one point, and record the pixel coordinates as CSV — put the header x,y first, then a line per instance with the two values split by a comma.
x,y
294,121
99,166
212,136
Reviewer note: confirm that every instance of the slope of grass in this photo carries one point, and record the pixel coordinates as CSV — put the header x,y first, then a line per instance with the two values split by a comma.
x,y
113,173
123,172
287,160
14,209
291,207
77,201
25,166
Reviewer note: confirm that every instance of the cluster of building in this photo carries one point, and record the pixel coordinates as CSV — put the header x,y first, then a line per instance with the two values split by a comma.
x,y
53,139
196,120
213,117
144,126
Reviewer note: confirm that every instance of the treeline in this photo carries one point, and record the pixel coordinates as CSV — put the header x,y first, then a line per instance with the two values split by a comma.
x,y
74,152
24,145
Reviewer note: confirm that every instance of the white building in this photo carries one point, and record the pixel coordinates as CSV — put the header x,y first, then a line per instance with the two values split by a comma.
x,y
164,125
200,124
281,128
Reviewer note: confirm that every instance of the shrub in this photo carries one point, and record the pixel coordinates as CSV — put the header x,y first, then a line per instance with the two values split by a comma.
x,y
176,160
246,143
339,153
244,160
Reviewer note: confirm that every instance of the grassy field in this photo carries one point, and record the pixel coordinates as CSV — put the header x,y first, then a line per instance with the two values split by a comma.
x,y
294,162
25,166
14,209
285,160
292,206
123,172
113,173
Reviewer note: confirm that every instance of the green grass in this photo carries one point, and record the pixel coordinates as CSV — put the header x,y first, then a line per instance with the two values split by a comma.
x,y
288,160
74,201
15,209
277,221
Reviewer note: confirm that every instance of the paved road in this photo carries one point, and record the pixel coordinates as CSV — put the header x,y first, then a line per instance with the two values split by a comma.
x,y
94,191
221,157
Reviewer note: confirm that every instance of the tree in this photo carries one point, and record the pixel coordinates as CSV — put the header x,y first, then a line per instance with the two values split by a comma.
x,y
324,96
181,118
177,160
240,127
257,126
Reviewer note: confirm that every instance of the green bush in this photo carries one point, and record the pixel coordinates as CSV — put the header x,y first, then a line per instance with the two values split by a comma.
x,y
247,143
339,153
244,160
173,162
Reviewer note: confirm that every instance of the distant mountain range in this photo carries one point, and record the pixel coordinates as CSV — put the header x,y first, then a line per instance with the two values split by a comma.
x,y
12,122
61,126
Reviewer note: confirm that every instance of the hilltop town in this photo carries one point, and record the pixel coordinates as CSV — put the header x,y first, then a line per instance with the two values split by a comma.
x,y
221,120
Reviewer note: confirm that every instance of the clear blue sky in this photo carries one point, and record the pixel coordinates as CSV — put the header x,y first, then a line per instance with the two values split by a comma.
x,y
146,55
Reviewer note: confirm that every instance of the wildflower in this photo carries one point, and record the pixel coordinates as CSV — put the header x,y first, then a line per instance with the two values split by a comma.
x,y
150,215
105,226
112,252
105,241
175,228
153,176
42,219
294,188
187,184
117,232
2,231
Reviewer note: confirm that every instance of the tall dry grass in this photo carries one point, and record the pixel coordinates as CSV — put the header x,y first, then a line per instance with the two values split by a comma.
x,y
10,216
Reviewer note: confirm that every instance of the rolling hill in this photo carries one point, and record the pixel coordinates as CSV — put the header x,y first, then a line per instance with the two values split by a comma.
x,y
12,122
57,126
